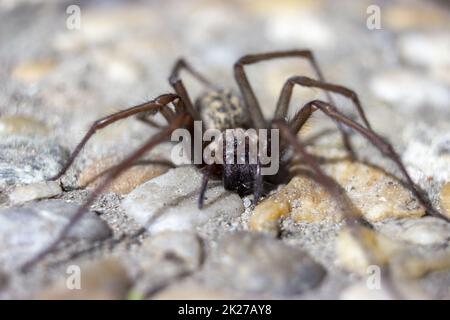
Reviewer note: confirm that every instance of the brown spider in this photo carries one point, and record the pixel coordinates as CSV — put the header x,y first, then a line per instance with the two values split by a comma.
x,y
221,109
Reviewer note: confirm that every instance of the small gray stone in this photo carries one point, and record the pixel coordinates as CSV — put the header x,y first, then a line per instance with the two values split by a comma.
x,y
169,202
164,258
247,202
24,231
363,291
3,280
104,279
25,160
178,245
423,231
409,91
35,191
257,263
360,291
436,54
427,153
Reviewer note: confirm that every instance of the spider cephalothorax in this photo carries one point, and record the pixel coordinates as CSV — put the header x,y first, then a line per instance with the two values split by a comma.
x,y
239,160
221,109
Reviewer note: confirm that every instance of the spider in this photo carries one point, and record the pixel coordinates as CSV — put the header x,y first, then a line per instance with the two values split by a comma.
x,y
222,109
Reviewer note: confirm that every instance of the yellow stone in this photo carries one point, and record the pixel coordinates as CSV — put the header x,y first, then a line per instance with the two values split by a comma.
x,y
445,199
372,192
126,182
192,291
33,71
281,7
357,251
17,124
266,216
406,17
375,193
106,279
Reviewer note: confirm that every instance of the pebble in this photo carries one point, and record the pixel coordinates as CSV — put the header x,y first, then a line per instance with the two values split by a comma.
x,y
35,191
247,202
118,68
163,259
436,54
360,291
186,247
357,252
267,215
300,28
105,279
404,17
193,291
427,154
375,194
408,90
32,71
101,25
4,280
271,8
126,182
123,71
257,263
26,230
423,231
445,198
169,201
413,265
25,160
21,125
68,42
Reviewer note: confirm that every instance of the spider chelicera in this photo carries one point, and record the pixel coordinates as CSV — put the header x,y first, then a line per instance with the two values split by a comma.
x,y
221,109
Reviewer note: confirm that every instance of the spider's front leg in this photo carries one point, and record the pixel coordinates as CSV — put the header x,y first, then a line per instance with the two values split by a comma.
x,y
246,89
179,121
177,83
157,105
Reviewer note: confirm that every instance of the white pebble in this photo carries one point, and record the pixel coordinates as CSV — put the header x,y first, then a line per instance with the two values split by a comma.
x,y
170,201
432,51
34,191
408,90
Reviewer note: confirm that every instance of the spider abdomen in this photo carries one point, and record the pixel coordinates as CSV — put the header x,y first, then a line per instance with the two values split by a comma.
x,y
221,110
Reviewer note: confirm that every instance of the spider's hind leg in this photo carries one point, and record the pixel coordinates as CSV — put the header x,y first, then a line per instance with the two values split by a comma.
x,y
380,143
351,215
179,122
